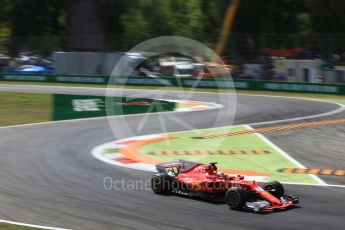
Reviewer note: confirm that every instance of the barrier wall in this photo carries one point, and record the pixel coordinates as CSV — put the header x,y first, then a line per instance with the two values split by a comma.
x,y
279,86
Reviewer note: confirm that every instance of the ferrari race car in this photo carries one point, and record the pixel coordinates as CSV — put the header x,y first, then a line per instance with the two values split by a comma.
x,y
204,181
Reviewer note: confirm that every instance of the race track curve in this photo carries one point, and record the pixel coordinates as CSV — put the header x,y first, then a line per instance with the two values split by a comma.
x,y
48,176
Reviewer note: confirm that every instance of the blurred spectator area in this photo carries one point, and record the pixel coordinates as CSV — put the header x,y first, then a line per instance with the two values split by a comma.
x,y
239,46
292,46
248,55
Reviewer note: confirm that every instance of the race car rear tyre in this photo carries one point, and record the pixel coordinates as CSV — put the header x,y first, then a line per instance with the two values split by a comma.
x,y
161,183
275,188
235,198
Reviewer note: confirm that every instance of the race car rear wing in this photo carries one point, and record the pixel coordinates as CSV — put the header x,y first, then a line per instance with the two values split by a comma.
x,y
174,167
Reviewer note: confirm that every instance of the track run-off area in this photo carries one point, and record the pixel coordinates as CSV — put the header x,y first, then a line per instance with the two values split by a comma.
x,y
50,178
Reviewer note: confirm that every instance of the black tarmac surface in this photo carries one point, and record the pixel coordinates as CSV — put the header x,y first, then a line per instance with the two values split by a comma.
x,y
49,177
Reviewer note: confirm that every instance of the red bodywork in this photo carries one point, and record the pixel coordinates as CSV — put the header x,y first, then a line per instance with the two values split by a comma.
x,y
206,179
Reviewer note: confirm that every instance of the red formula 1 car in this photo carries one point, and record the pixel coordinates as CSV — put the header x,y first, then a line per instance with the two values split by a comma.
x,y
204,181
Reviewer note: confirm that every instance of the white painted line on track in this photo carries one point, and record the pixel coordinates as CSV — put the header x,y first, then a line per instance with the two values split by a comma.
x,y
31,225
339,110
98,153
104,89
286,155
317,185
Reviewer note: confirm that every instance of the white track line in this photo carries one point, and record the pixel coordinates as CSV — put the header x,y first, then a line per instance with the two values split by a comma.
x,y
285,154
105,89
31,225
339,110
318,185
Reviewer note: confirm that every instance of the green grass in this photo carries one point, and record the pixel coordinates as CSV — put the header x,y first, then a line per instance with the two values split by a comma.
x,y
266,163
24,108
15,227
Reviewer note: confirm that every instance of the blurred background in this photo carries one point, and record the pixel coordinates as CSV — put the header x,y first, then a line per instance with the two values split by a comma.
x,y
286,40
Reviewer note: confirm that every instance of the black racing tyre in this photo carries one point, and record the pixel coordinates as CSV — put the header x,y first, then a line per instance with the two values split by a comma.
x,y
160,183
275,188
235,198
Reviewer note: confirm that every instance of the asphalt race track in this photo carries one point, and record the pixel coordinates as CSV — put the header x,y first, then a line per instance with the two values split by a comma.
x,y
48,176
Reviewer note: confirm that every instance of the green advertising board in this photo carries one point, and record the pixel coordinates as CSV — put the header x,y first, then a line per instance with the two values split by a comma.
x,y
55,78
302,87
258,85
66,107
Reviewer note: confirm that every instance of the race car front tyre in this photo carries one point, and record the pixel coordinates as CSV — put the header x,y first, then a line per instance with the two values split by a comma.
x,y
235,198
275,188
160,184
